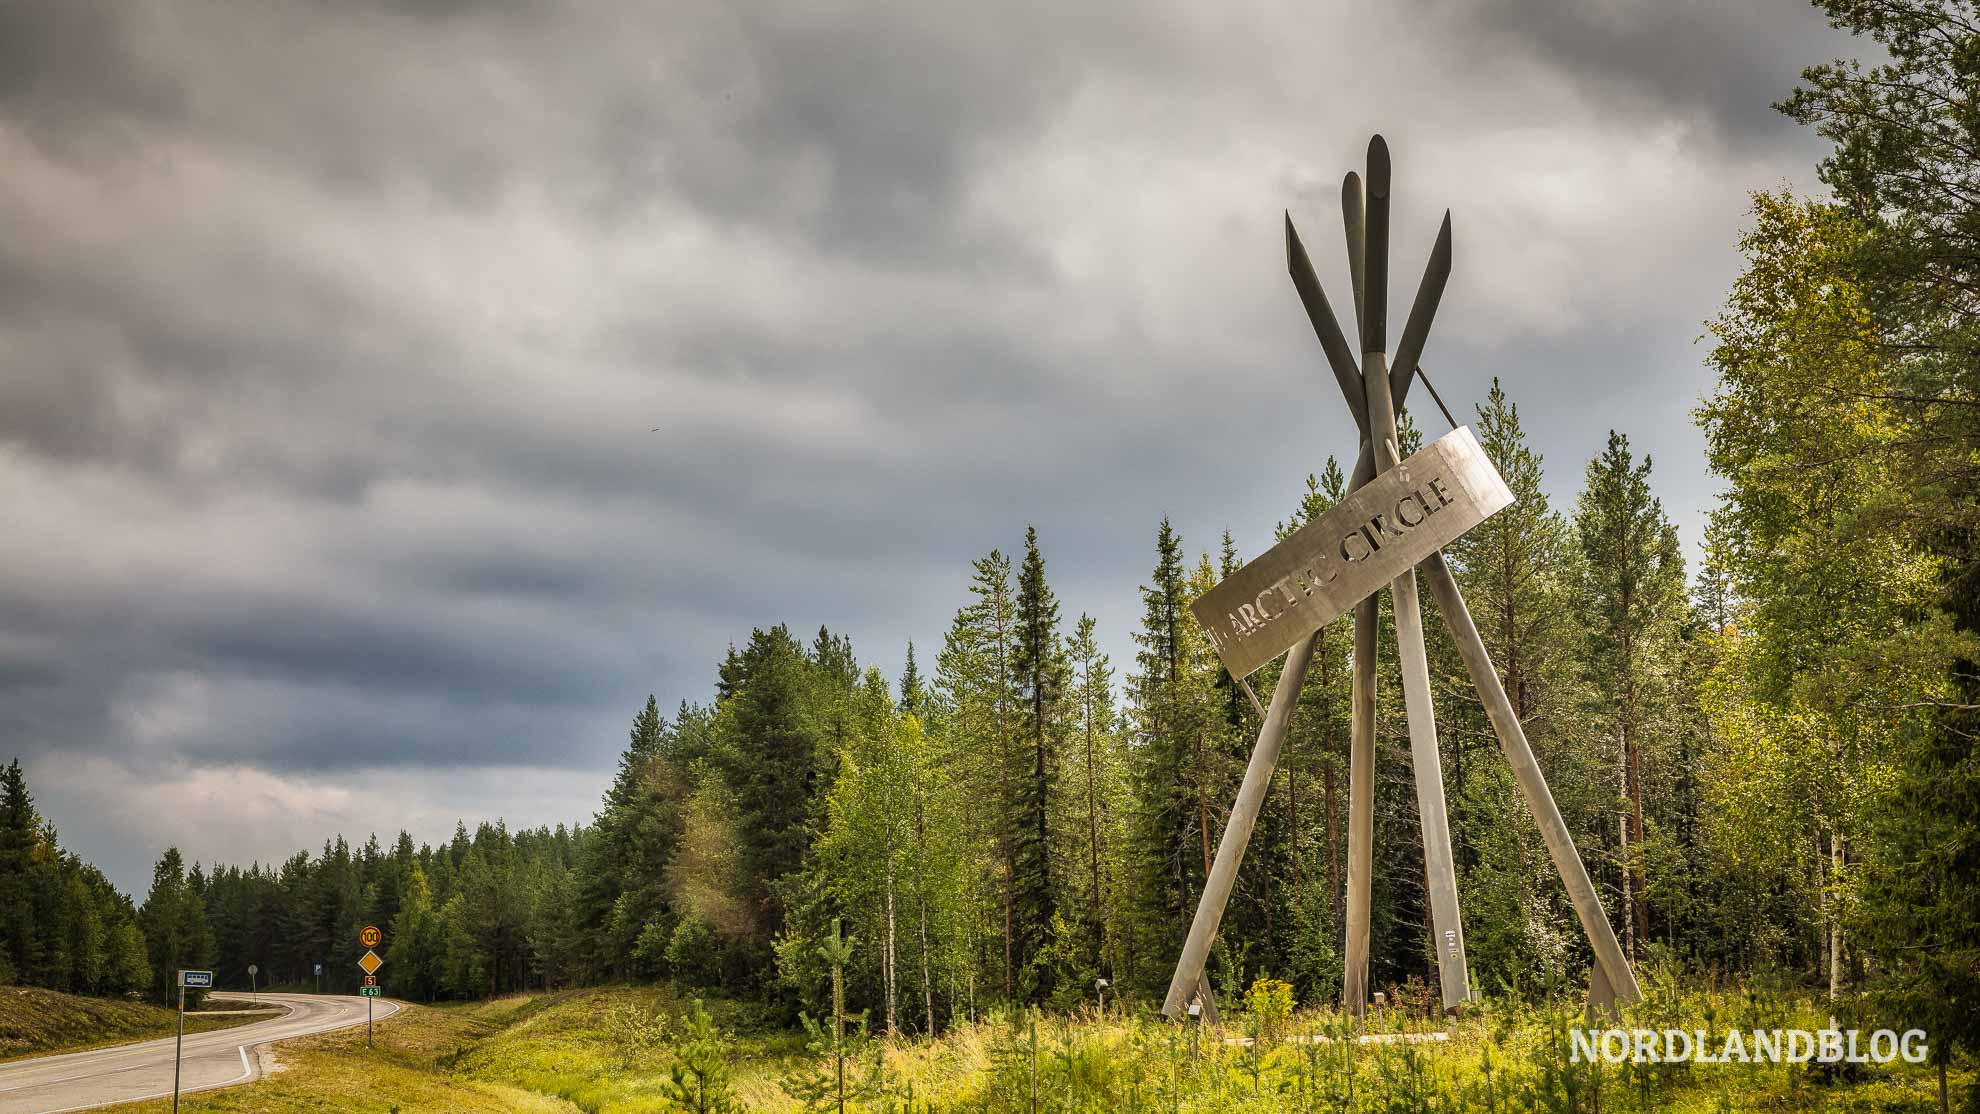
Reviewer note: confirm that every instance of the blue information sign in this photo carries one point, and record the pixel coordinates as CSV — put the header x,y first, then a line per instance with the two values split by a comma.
x,y
196,979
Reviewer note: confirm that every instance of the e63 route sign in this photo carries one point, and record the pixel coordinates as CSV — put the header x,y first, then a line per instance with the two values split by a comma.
x,y
196,980
1372,536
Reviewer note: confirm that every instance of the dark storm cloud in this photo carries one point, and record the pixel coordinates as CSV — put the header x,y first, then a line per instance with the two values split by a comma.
x,y
331,337
1719,67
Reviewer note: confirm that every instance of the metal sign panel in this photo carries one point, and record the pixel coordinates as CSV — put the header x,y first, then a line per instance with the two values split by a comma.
x,y
1372,536
371,963
196,979
370,936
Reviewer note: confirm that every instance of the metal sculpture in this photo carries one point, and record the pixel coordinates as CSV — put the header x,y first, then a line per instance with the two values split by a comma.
x,y
1279,602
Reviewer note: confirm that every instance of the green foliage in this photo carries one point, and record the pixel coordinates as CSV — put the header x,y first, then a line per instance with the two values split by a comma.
x,y
638,1032
1271,1002
1871,301
699,1079
844,1074
63,926
175,929
1039,673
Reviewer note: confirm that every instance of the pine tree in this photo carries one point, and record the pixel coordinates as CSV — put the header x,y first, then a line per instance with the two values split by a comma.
x,y
1038,680
553,935
1097,785
415,954
1632,599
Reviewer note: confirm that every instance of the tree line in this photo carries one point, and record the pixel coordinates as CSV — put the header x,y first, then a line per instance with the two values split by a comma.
x,y
1023,819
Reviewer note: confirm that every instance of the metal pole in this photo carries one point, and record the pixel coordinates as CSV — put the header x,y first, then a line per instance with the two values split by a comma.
x,y
1612,972
1354,223
367,1021
1361,810
179,1045
1366,220
1237,832
1426,761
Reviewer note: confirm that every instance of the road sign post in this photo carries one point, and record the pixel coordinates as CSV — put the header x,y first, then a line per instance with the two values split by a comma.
x,y
252,972
319,978
199,980
370,938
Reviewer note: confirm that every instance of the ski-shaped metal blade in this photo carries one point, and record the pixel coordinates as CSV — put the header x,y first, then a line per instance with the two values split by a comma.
x,y
1347,369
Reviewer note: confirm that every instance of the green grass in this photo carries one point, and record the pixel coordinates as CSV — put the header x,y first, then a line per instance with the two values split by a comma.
x,y
405,1072
36,1022
607,1051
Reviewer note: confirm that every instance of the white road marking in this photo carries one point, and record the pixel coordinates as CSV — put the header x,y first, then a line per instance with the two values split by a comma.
x,y
149,1054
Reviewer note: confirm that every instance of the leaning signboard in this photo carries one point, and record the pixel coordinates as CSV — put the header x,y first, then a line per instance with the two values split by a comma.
x,y
1370,537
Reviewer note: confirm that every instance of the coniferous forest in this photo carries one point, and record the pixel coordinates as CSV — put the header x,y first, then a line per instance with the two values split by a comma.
x,y
1767,756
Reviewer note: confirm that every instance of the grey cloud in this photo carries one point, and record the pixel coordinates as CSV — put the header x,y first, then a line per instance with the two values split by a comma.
x,y
331,337
1717,66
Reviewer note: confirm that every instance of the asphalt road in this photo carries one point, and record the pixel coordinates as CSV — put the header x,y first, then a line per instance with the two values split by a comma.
x,y
128,1072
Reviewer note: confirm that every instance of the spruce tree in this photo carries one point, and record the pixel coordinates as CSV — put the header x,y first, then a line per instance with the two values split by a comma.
x,y
621,888
175,928
1313,774
912,694
20,836
1166,868
1038,680
1922,877
766,751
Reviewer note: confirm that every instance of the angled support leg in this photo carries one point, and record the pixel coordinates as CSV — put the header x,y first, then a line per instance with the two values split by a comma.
x,y
1613,981
1601,995
1361,811
1237,832
1361,731
1426,762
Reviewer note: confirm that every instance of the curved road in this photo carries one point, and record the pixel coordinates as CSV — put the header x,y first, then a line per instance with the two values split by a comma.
x,y
129,1072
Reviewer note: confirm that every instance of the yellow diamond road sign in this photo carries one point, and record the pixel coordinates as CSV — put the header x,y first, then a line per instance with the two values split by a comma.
x,y
371,963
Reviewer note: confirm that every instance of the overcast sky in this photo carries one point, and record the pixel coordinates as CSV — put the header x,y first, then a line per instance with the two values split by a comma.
x,y
332,337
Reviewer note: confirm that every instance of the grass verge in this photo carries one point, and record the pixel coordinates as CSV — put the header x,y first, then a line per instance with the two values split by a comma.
x,y
36,1022
406,1072
610,1051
